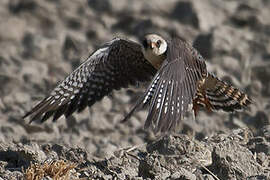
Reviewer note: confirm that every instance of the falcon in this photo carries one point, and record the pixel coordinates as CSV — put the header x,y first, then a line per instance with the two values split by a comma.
x,y
178,75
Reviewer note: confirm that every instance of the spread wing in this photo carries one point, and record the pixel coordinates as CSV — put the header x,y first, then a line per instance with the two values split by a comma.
x,y
173,87
116,64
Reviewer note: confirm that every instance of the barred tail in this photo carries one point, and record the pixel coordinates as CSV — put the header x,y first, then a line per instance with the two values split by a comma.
x,y
218,95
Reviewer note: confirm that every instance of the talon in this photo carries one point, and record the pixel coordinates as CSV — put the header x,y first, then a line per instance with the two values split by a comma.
x,y
207,103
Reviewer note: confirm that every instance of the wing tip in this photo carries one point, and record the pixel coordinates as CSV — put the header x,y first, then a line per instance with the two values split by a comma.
x,y
38,110
26,114
126,118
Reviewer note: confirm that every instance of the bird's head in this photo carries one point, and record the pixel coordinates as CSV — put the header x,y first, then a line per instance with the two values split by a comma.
x,y
154,48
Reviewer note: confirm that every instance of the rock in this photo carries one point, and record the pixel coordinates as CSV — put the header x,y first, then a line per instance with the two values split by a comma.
x,y
208,177
262,159
259,120
184,13
74,23
265,132
245,16
263,73
100,6
203,43
69,49
7,31
16,6
183,174
257,177
259,144
231,160
34,72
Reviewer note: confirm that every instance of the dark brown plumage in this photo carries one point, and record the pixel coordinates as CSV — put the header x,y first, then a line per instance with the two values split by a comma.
x,y
181,81
117,64
173,87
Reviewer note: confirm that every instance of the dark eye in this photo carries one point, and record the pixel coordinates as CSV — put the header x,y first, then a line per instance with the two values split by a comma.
x,y
158,43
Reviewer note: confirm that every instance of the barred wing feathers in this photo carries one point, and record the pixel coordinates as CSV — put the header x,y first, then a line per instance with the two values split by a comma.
x,y
116,64
173,87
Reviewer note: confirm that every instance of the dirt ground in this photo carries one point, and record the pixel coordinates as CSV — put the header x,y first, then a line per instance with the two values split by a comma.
x,y
42,41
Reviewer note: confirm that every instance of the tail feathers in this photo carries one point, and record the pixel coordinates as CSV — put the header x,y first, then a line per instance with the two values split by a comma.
x,y
218,95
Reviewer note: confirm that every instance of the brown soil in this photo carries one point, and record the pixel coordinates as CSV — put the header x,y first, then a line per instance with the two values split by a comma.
x,y
42,41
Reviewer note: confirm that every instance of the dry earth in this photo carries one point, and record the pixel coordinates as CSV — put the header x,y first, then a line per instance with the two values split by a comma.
x,y
42,41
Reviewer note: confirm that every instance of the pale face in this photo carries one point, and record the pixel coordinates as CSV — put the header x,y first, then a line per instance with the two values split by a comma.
x,y
154,48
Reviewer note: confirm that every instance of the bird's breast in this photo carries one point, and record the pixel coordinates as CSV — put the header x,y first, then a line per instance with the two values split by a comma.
x,y
156,61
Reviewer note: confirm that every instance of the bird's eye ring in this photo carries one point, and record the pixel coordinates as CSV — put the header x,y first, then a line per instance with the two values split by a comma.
x,y
158,43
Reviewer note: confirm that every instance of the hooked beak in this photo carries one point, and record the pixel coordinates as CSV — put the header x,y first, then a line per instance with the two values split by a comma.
x,y
153,45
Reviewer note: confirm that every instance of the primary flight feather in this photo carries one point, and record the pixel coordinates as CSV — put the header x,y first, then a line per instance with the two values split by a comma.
x,y
179,79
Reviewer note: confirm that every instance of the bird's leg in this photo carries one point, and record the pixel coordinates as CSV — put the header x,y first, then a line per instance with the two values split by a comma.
x,y
195,106
207,103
